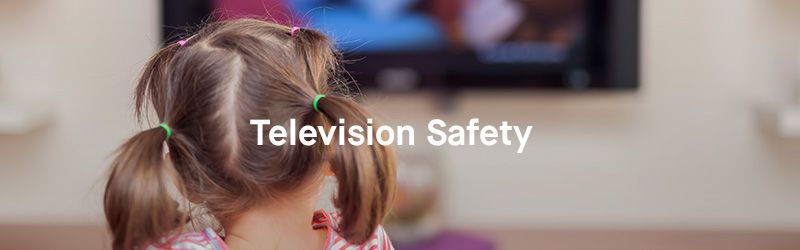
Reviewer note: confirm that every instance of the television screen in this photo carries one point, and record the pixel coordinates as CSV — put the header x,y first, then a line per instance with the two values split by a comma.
x,y
407,44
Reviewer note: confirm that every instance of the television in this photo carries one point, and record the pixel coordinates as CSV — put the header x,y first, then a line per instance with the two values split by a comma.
x,y
418,44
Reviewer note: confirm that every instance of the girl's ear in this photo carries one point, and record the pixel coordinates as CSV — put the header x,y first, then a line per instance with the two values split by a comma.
x,y
326,169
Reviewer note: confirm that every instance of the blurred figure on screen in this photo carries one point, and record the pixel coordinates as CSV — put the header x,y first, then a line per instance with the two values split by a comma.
x,y
368,26
489,22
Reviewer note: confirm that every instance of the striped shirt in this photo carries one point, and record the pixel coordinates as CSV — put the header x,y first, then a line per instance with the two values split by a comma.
x,y
210,240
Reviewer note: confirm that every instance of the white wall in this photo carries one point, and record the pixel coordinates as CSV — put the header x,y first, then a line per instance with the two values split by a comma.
x,y
83,56
684,151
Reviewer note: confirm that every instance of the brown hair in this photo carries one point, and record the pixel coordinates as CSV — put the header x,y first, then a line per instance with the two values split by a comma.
x,y
207,90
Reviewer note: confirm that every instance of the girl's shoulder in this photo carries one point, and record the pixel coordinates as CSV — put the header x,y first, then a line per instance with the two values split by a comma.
x,y
330,221
203,240
208,239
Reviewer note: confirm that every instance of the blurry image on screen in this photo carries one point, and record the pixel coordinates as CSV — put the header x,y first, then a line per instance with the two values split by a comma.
x,y
496,31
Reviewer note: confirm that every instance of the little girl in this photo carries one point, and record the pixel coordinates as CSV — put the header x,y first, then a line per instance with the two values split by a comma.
x,y
204,90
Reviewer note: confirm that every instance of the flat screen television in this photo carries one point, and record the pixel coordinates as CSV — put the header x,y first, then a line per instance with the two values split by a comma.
x,y
412,44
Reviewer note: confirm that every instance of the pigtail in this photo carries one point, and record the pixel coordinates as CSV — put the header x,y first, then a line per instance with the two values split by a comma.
x,y
365,173
138,205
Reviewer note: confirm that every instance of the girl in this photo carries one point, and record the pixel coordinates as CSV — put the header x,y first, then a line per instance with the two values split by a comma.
x,y
204,91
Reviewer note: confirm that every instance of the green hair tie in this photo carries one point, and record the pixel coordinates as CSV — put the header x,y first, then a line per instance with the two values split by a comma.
x,y
316,100
166,128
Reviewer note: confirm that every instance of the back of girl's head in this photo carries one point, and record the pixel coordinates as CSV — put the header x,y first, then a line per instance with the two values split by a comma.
x,y
206,91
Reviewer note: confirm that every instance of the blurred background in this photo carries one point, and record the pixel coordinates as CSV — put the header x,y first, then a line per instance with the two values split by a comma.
x,y
657,124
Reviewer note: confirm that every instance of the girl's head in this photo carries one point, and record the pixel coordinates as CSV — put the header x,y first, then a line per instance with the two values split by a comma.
x,y
207,90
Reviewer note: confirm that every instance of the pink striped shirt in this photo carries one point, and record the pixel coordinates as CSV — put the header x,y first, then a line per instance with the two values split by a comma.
x,y
210,240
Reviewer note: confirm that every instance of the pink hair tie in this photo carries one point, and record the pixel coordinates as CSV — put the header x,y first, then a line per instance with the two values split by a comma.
x,y
181,42
294,30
